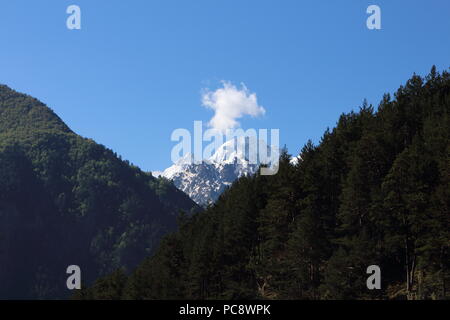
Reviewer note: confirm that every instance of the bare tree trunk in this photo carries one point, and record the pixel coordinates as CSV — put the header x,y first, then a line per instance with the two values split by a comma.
x,y
442,272
408,288
410,269
411,277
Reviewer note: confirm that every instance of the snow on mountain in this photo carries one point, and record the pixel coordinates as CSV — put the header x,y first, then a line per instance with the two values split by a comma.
x,y
205,182
294,160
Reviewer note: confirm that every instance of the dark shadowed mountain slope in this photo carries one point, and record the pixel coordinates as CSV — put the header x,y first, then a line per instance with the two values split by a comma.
x,y
66,200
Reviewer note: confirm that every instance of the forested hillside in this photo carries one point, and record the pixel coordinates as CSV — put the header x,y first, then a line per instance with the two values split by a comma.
x,y
66,200
374,191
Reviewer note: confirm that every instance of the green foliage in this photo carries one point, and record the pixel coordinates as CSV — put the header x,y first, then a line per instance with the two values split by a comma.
x,y
374,191
66,200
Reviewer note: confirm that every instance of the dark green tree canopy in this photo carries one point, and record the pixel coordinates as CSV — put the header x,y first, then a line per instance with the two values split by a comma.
x,y
375,191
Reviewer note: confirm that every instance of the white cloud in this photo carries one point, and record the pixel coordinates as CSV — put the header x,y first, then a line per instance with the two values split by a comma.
x,y
229,104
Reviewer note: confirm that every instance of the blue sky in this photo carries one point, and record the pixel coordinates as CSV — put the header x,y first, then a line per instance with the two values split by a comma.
x,y
136,69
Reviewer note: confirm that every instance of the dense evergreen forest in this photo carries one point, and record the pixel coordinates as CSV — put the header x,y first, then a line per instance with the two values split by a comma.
x,y
374,191
65,200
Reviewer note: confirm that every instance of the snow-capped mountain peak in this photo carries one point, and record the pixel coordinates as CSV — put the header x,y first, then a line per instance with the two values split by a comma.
x,y
204,182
